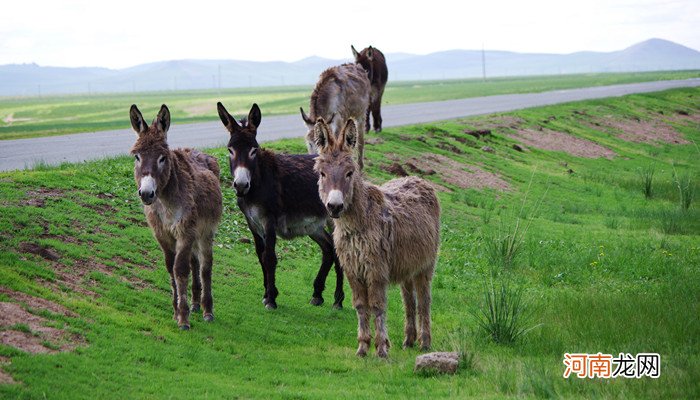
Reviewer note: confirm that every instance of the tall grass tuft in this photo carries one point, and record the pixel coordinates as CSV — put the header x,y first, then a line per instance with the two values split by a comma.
x,y
505,245
647,176
686,189
504,313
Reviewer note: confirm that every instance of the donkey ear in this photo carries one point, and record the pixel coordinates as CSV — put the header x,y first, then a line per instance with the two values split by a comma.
x,y
323,137
308,121
254,116
162,120
349,133
370,53
354,52
137,121
226,118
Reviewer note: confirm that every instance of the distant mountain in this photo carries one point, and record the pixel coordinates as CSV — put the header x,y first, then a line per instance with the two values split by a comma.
x,y
31,79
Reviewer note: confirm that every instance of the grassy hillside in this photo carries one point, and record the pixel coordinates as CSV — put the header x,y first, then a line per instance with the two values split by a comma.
x,y
59,115
601,268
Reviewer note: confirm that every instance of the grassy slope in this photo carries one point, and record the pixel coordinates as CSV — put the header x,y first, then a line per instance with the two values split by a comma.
x,y
643,295
70,114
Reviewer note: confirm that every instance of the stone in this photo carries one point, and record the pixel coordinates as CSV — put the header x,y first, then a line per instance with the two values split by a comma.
x,y
442,362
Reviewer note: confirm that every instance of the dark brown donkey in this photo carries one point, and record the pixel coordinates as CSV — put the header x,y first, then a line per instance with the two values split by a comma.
x,y
182,202
278,194
373,61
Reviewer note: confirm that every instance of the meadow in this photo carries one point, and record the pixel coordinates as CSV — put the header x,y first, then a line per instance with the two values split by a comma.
x,y
58,115
585,212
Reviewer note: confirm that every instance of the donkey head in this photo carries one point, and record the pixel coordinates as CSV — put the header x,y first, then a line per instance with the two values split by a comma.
x,y
365,58
152,164
336,166
242,146
310,122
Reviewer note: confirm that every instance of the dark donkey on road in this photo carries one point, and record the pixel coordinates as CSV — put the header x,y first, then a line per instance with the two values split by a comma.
x,y
278,194
182,201
373,61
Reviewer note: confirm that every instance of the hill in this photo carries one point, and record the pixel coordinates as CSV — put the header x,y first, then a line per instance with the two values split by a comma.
x,y
31,79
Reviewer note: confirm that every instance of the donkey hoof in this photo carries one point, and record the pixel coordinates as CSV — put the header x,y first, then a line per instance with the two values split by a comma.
x,y
184,327
208,317
407,344
265,300
382,353
195,308
337,306
316,301
271,305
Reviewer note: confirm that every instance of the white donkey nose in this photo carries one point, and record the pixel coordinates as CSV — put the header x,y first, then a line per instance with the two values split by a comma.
x,y
241,180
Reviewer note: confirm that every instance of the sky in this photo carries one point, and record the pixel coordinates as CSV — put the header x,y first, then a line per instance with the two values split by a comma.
x,y
118,34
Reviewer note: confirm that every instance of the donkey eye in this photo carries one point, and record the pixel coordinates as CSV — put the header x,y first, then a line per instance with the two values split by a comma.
x,y
136,156
323,174
161,159
348,175
230,150
253,152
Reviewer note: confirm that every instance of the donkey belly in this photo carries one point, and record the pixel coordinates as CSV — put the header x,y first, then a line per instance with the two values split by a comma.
x,y
288,227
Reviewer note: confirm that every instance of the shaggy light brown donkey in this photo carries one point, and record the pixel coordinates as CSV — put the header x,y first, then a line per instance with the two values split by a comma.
x,y
182,202
383,234
341,92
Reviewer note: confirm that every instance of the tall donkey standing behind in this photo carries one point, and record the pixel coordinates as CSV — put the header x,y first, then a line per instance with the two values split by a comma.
x,y
386,234
341,92
373,61
182,201
278,194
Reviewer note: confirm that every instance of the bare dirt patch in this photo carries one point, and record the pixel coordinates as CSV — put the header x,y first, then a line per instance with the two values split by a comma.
x,y
496,122
44,252
547,139
5,378
36,303
394,169
37,197
13,316
455,173
642,131
10,119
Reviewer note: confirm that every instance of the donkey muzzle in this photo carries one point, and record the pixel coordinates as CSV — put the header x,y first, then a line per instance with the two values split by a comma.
x,y
335,204
241,181
147,190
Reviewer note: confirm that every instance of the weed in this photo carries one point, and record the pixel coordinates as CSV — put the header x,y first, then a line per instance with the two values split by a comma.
x,y
647,176
504,314
686,189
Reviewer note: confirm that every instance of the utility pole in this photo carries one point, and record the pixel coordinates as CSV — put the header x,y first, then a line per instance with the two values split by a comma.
x,y
483,62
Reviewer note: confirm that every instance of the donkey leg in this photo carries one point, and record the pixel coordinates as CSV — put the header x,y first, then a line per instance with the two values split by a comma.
x,y
196,283
361,304
376,114
260,250
367,118
270,264
326,244
206,260
423,291
182,271
377,302
361,147
339,293
169,254
409,304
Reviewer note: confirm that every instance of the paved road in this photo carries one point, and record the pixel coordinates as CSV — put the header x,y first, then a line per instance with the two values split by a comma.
x,y
24,153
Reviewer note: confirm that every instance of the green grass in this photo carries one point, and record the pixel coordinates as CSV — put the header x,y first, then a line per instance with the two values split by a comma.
x,y
60,115
596,266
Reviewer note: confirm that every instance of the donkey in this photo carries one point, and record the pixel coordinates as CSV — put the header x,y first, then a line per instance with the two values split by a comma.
x,y
373,61
279,197
182,202
386,234
342,90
